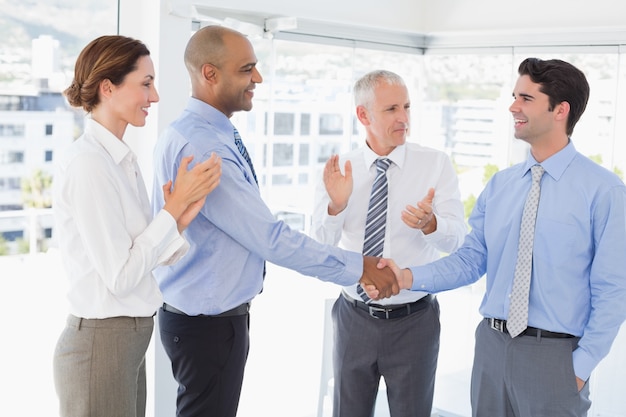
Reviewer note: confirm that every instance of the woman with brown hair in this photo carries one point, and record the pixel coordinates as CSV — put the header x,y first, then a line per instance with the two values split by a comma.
x,y
108,238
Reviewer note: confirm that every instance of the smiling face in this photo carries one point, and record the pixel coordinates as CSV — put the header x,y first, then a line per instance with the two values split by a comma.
x,y
531,112
237,76
386,118
131,99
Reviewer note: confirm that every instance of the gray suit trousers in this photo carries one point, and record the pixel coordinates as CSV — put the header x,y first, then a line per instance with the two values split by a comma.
x,y
403,351
527,376
100,369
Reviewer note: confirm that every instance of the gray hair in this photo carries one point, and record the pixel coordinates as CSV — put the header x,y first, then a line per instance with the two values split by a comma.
x,y
365,86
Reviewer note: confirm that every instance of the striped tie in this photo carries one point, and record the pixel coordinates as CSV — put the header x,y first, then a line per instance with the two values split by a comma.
x,y
376,217
244,152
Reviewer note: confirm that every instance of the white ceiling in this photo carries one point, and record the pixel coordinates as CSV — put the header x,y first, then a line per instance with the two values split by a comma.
x,y
428,16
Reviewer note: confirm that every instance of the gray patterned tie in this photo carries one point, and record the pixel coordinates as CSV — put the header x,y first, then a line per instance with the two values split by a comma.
x,y
518,309
376,217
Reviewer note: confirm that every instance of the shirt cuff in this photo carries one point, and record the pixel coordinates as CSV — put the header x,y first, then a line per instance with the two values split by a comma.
x,y
440,232
334,221
583,364
171,245
422,279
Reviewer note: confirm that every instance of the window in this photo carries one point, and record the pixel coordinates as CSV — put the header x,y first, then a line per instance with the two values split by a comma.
x,y
12,130
331,124
11,157
304,154
10,183
12,235
283,154
459,104
35,121
284,123
305,124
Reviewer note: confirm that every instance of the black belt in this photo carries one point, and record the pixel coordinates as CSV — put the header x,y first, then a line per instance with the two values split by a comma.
x,y
237,311
387,312
500,325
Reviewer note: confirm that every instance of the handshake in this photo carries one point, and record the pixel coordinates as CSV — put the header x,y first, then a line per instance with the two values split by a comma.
x,y
382,277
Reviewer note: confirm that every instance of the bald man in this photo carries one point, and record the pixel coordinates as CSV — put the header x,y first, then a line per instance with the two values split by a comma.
x,y
205,316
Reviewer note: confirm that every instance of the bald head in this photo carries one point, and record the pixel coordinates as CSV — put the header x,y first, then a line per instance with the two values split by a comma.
x,y
222,68
207,46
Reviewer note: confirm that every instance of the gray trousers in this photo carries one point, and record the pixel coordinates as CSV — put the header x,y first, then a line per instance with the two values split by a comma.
x,y
525,377
404,351
100,369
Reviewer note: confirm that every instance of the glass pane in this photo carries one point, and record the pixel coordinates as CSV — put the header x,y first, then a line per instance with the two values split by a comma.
x,y
309,104
40,44
305,124
283,154
303,158
37,58
284,123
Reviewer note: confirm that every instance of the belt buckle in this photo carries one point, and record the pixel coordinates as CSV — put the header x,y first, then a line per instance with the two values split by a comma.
x,y
374,309
497,325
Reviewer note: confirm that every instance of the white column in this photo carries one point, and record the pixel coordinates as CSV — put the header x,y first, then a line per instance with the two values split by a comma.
x,y
166,36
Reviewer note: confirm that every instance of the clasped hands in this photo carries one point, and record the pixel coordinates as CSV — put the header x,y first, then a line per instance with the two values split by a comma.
x,y
382,277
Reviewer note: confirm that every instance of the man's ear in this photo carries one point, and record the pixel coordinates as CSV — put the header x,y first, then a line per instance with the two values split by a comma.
x,y
561,111
209,73
363,115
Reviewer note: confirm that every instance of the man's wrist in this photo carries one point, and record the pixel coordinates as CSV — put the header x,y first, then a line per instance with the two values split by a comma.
x,y
334,210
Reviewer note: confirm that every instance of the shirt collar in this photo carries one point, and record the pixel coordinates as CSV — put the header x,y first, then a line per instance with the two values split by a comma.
x,y
209,113
556,164
118,149
396,156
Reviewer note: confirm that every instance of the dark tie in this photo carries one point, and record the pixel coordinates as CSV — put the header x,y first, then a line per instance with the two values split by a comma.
x,y
244,152
376,217
518,308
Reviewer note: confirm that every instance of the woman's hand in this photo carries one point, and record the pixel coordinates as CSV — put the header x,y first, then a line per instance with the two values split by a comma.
x,y
185,199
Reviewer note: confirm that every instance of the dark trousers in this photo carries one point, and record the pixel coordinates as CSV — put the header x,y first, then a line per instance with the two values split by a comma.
x,y
208,356
527,376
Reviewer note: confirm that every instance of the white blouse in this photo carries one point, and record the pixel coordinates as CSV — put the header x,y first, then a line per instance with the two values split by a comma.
x,y
108,240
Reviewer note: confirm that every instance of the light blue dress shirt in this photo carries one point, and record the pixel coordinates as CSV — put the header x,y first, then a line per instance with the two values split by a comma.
x,y
235,232
579,259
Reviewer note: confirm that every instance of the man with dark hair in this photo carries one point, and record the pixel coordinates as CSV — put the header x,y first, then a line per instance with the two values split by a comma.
x,y
550,234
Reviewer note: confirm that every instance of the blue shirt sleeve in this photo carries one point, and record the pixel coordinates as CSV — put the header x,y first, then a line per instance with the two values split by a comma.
x,y
579,265
235,232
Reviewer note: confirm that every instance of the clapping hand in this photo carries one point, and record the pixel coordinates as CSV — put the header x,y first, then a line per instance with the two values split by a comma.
x,y
338,185
421,216
185,199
